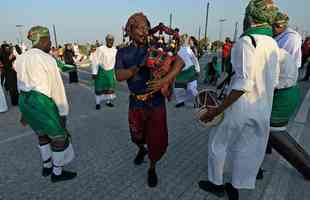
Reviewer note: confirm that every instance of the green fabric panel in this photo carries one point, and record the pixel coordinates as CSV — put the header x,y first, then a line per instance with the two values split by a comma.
x,y
185,77
41,113
105,80
285,102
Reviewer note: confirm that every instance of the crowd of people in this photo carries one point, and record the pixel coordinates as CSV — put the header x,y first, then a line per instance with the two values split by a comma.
x,y
262,66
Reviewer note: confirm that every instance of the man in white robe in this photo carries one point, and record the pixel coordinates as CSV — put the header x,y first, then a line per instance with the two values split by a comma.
x,y
186,82
43,104
287,38
103,61
242,135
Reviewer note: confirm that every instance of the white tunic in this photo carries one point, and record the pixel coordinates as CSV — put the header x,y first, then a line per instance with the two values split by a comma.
x,y
242,135
288,70
37,70
189,58
291,41
104,57
3,104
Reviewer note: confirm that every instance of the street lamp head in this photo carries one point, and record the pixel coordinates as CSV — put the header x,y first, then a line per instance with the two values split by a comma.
x,y
19,25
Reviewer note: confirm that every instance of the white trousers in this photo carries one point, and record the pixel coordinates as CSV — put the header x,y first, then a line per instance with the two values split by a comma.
x,y
3,104
188,94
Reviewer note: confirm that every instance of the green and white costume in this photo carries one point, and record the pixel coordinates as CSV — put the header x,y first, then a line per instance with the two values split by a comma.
x,y
43,101
103,61
186,82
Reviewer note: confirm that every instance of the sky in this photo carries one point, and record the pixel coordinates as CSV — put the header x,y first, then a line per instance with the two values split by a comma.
x,y
87,20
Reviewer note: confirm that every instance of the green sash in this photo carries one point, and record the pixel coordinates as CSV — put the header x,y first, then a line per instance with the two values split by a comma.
x,y
186,77
285,102
105,81
41,113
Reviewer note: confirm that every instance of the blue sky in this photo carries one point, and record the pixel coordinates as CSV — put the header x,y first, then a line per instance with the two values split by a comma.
x,y
88,20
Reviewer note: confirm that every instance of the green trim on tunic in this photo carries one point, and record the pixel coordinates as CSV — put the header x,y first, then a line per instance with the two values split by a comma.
x,y
285,102
41,113
105,81
186,77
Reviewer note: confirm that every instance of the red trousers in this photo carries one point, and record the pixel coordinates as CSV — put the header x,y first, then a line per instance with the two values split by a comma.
x,y
149,126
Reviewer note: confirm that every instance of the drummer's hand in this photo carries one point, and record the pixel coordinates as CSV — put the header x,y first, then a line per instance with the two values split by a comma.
x,y
156,85
210,115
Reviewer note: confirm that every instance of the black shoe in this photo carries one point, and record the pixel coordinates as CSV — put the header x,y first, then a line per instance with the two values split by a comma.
x,y
64,176
152,179
232,192
47,171
98,107
109,104
179,105
260,174
140,156
217,190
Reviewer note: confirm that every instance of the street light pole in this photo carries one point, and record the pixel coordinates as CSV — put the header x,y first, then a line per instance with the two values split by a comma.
x,y
207,18
221,28
20,27
236,31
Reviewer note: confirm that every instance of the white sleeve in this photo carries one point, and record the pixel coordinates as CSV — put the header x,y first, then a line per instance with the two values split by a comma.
x,y
58,93
195,61
293,46
94,61
242,61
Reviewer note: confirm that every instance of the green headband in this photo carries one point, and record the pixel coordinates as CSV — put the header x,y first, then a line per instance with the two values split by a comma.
x,y
36,33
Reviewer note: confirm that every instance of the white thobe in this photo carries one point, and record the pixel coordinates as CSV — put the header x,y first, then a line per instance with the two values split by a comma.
x,y
38,71
288,70
189,58
291,41
103,57
242,135
3,104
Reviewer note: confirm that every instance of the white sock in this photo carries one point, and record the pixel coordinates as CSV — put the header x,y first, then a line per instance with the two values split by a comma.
x,y
57,170
98,99
69,154
46,154
58,162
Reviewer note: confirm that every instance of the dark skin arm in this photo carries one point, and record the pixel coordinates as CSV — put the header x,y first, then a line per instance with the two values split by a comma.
x,y
125,74
228,101
169,78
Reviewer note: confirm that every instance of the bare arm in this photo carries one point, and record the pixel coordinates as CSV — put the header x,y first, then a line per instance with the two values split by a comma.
x,y
228,101
125,74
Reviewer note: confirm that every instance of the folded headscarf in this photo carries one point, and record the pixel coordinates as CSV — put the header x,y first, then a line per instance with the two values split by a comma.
x,y
261,12
36,33
282,19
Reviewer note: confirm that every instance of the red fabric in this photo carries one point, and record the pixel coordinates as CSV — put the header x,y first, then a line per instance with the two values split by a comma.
x,y
226,49
149,126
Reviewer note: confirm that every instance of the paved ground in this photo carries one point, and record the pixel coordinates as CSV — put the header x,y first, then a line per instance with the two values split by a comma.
x,y
104,156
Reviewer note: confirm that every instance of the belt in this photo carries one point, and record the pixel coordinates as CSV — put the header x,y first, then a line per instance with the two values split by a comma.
x,y
142,97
